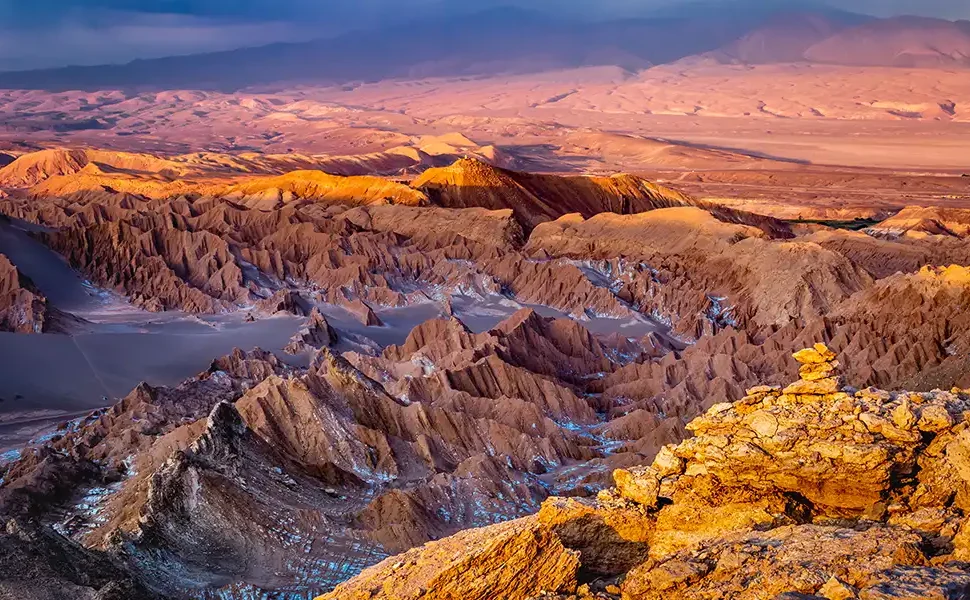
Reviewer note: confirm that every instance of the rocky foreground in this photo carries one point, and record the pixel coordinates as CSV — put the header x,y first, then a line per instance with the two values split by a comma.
x,y
810,491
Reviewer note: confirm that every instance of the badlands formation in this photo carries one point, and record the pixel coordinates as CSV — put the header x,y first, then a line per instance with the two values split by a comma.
x,y
809,491
570,318
22,308
466,348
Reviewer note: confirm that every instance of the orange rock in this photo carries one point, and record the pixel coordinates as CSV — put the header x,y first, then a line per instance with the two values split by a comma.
x,y
515,561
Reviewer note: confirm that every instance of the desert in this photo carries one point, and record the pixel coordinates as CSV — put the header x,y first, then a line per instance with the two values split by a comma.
x,y
493,303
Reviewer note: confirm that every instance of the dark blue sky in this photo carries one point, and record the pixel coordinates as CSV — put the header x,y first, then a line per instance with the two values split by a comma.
x,y
40,33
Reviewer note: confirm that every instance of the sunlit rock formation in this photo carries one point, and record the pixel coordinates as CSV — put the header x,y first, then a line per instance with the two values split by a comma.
x,y
814,490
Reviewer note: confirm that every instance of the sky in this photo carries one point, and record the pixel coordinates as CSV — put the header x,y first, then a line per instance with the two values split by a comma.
x,y
48,33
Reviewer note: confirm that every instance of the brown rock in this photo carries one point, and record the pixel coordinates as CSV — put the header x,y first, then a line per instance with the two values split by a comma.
x,y
903,416
539,198
23,309
363,313
837,590
934,419
819,353
818,387
762,423
316,334
667,462
610,538
800,559
907,582
816,371
515,560
639,484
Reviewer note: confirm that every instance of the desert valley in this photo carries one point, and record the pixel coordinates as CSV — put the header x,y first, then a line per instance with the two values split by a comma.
x,y
497,305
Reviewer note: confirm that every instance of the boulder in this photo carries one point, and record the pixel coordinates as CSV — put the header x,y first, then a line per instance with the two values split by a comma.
x,y
513,561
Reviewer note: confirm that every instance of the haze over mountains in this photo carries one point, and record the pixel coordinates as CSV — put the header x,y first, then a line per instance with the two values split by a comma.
x,y
510,40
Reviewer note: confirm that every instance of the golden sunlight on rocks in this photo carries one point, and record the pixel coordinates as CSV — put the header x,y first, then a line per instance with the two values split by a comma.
x,y
814,490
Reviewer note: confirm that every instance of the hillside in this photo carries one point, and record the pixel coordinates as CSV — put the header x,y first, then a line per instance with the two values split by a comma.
x,y
514,40
783,38
538,198
897,42
493,41
802,491
460,350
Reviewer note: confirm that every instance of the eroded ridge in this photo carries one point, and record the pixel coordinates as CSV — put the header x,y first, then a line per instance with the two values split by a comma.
x,y
812,490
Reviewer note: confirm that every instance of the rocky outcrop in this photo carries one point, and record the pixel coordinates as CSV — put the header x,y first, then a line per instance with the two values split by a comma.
x,y
73,174
919,220
806,561
37,563
698,269
23,309
474,565
315,335
316,186
363,313
883,256
32,168
807,490
283,301
538,198
326,471
885,335
490,227
159,269
701,273
101,445
541,361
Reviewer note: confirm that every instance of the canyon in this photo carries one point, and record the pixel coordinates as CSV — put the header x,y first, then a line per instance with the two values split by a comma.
x,y
461,349
672,307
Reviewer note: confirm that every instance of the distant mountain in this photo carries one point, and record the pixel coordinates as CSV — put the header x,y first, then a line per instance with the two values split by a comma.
x,y
495,41
786,37
520,41
898,42
752,9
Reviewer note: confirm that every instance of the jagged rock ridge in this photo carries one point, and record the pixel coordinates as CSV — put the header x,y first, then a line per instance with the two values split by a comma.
x,y
319,473
23,309
812,490
271,480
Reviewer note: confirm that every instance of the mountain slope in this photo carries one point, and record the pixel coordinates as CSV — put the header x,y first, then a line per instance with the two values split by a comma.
x,y
784,38
538,198
494,41
898,42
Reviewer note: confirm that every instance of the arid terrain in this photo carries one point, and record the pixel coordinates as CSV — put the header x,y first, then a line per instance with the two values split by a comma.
x,y
832,139
524,327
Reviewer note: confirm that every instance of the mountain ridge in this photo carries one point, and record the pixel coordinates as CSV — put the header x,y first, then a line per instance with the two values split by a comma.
x,y
500,41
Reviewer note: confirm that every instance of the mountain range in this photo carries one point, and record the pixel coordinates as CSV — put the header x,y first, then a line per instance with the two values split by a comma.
x,y
509,40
